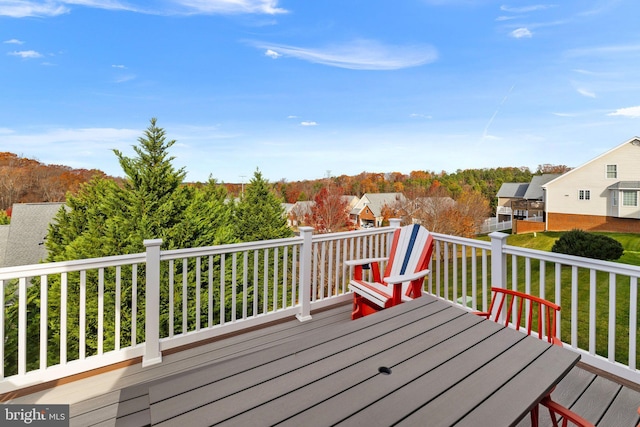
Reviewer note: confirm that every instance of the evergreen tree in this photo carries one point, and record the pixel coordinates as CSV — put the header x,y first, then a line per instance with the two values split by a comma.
x,y
259,214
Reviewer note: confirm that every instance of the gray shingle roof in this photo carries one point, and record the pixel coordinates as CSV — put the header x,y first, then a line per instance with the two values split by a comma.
x,y
625,185
513,189
534,191
27,231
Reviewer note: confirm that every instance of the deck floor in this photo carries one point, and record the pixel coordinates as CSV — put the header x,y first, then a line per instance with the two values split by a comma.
x,y
120,397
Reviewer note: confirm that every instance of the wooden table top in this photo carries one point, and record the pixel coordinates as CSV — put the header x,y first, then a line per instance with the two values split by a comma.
x,y
425,362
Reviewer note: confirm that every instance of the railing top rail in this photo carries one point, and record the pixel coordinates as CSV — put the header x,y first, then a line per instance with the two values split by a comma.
x,y
349,234
595,264
481,244
228,248
33,270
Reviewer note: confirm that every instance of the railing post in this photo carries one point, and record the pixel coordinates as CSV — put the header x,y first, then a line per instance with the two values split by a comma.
x,y
152,354
394,222
305,274
498,264
498,259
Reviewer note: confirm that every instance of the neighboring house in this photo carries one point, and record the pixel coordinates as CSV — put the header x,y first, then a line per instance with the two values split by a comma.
x,y
518,200
508,193
22,241
368,210
300,210
602,194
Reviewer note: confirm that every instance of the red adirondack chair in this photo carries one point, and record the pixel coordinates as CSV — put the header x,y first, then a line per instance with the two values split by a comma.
x,y
568,417
403,277
504,304
521,303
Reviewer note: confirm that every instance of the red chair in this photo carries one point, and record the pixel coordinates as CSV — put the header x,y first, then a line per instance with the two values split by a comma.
x,y
504,304
516,302
404,274
555,409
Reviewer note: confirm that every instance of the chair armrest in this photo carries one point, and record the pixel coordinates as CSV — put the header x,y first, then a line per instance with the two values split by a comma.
x,y
405,277
364,261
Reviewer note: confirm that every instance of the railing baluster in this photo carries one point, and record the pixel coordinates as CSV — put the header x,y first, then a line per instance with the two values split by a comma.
x,y
234,285
592,311
612,318
210,303
198,290
275,278
64,300
171,298
633,321
82,321
44,321
117,309
185,295
256,282
245,288
22,326
223,297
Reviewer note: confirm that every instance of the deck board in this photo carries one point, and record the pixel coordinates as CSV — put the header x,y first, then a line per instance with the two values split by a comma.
x,y
97,401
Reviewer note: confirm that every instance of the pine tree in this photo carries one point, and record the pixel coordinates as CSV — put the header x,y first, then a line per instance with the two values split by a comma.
x,y
259,214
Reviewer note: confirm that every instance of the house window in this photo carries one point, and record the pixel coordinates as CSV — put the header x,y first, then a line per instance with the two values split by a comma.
x,y
614,198
612,171
584,194
629,198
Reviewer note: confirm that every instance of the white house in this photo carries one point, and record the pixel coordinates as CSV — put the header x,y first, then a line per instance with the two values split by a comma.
x,y
601,194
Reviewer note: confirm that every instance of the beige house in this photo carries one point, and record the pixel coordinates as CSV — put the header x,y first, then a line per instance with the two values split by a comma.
x,y
368,210
602,194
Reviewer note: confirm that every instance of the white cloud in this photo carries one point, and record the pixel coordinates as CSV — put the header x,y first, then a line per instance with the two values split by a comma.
x,y
272,54
122,67
26,54
125,78
47,8
564,114
633,112
308,123
13,41
269,7
26,8
292,117
586,92
521,33
360,55
526,9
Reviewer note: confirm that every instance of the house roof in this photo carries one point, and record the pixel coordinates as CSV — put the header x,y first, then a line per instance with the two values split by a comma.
x,y
26,233
376,201
513,189
635,141
535,190
625,185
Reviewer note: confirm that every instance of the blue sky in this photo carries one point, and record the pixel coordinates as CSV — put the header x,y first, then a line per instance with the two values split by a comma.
x,y
302,89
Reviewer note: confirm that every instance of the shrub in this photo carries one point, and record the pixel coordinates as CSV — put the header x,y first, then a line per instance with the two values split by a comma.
x,y
580,243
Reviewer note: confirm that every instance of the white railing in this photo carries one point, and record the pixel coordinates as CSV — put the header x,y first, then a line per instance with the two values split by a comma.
x,y
598,299
65,318
492,224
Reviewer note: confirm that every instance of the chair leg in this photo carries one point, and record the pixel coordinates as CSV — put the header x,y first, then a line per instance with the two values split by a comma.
x,y
357,308
535,412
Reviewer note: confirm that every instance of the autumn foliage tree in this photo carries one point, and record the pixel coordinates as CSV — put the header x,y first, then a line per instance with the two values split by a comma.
x,y
330,211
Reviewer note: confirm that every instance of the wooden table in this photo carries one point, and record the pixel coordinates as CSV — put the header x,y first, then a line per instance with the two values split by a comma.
x,y
423,363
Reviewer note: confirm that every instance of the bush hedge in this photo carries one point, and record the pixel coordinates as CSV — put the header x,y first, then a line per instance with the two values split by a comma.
x,y
588,245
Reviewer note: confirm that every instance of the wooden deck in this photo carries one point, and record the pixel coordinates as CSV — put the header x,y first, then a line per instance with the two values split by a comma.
x,y
121,397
